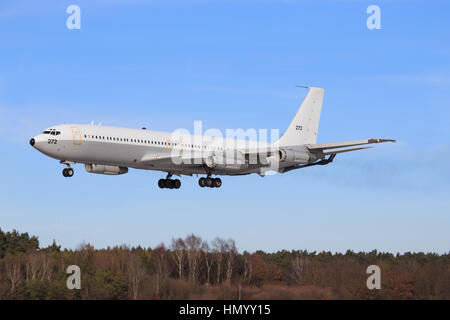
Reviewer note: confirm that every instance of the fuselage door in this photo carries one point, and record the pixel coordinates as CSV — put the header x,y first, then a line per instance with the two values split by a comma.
x,y
76,135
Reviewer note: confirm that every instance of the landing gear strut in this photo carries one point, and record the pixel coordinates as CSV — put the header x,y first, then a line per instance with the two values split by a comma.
x,y
210,182
169,183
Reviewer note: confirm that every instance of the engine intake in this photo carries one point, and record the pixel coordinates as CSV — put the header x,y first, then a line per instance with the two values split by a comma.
x,y
102,169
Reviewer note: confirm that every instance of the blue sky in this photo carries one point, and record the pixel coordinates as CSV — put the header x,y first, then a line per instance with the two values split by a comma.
x,y
232,64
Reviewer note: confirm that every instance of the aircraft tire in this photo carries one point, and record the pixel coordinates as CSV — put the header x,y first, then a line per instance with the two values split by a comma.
x,y
161,183
168,184
217,183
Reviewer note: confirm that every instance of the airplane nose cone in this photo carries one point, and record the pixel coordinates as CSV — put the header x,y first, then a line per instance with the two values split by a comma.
x,y
32,142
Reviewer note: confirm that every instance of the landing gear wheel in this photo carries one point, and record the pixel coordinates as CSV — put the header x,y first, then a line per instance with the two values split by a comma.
x,y
68,172
217,183
202,182
209,182
169,184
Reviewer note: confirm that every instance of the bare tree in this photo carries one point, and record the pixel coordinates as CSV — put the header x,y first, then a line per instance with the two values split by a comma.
x,y
13,273
193,244
219,249
248,268
299,267
231,250
37,266
208,261
136,274
161,269
178,249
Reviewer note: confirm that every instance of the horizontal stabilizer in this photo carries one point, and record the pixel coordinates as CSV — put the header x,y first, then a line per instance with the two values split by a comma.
x,y
344,150
334,145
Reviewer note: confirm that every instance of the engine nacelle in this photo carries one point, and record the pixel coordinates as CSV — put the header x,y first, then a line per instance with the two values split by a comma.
x,y
102,169
214,162
211,161
288,155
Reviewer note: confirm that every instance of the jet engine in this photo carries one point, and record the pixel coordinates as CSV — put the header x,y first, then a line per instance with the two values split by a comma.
x,y
293,156
102,169
214,162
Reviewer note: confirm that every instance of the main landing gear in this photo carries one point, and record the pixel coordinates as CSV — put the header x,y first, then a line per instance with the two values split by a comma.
x,y
169,183
68,172
210,182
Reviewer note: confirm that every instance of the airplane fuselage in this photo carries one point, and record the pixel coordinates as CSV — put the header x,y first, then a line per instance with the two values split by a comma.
x,y
133,148
112,150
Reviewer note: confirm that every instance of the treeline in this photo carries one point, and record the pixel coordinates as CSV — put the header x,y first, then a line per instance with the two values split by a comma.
x,y
192,268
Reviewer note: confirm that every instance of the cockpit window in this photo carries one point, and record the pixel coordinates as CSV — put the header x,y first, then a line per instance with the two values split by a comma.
x,y
53,132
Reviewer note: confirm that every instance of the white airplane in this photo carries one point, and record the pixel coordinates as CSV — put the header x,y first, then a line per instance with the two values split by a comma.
x,y
112,150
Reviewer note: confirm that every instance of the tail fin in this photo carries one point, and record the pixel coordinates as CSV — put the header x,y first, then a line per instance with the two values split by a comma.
x,y
305,125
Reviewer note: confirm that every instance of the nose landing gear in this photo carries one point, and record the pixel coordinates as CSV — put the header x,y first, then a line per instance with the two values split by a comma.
x,y
68,172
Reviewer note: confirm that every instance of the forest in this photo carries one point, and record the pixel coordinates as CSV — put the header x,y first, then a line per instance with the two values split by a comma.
x,y
192,268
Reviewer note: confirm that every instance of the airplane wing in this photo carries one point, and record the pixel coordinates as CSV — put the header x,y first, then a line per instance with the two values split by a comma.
x,y
320,148
337,147
186,160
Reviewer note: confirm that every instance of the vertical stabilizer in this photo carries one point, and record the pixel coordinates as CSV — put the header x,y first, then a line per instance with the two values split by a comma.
x,y
305,125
